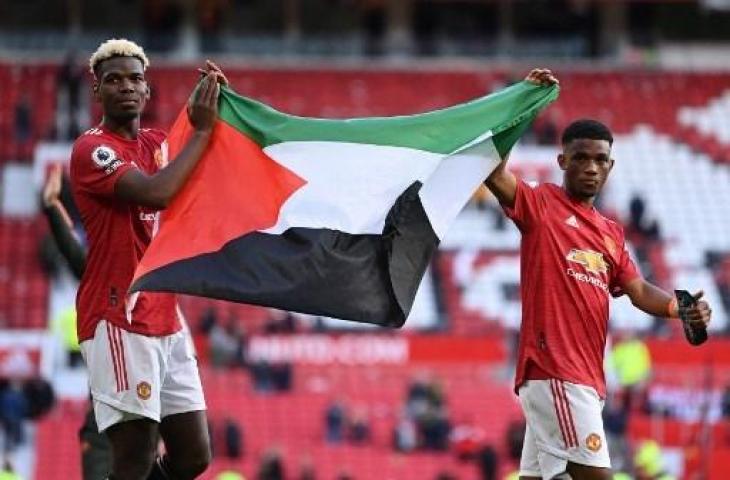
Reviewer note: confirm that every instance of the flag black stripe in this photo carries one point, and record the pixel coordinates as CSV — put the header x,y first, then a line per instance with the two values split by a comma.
x,y
363,278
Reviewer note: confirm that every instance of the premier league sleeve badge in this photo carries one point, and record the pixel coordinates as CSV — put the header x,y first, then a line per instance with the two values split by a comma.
x,y
105,158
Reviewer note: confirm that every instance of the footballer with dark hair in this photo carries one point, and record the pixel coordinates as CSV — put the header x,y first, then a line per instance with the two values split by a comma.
x,y
573,260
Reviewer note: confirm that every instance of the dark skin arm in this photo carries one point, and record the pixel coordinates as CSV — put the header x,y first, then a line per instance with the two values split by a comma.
x,y
655,301
501,182
60,224
156,191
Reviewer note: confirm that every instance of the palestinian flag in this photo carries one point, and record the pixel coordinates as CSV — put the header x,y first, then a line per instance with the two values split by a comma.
x,y
329,217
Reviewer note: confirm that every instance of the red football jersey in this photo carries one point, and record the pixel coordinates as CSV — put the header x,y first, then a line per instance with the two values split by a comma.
x,y
571,259
117,232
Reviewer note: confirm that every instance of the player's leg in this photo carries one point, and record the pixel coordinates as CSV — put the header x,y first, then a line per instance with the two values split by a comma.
x,y
184,425
125,379
186,444
587,472
133,447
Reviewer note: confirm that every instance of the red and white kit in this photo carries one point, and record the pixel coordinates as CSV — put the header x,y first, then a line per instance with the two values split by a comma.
x,y
140,362
573,259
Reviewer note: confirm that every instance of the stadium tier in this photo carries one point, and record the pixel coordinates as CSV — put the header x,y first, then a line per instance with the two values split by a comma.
x,y
23,282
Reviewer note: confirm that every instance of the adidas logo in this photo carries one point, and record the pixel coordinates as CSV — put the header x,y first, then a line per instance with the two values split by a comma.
x,y
572,221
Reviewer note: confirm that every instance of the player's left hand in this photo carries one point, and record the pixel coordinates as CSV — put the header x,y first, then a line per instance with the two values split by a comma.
x,y
701,313
211,67
543,77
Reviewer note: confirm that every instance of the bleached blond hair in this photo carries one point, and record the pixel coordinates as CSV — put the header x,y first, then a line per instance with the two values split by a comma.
x,y
117,47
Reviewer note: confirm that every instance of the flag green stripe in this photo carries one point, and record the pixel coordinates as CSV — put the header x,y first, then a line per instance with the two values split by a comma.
x,y
506,113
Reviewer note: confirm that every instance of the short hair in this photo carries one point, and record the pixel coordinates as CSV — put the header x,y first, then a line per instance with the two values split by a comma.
x,y
117,47
586,128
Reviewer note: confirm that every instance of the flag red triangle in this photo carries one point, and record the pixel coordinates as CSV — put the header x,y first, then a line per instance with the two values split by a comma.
x,y
235,189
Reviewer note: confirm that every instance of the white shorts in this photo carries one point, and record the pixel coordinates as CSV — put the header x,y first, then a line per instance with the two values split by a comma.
x,y
564,424
134,376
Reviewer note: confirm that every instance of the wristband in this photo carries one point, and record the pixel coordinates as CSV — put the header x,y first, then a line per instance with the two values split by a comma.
x,y
673,308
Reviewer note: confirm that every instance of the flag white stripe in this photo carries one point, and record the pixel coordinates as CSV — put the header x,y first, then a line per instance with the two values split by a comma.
x,y
351,186
457,177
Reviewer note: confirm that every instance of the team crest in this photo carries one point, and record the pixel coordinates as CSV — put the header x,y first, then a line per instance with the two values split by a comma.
x,y
144,390
103,156
591,261
161,158
158,158
593,442
610,245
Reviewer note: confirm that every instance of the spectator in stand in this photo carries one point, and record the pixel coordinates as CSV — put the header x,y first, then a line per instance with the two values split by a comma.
x,y
725,403
422,394
222,346
7,472
40,396
373,21
359,427
444,475
13,411
466,440
227,344
335,417
237,332
160,24
425,405
344,475
211,14
272,467
546,130
435,427
306,469
487,460
405,434
649,462
69,81
638,223
280,321
23,122
281,375
229,475
262,376
630,359
514,438
64,326
233,434
208,320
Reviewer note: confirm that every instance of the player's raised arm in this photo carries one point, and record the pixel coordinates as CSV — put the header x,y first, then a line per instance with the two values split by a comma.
x,y
501,182
157,190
